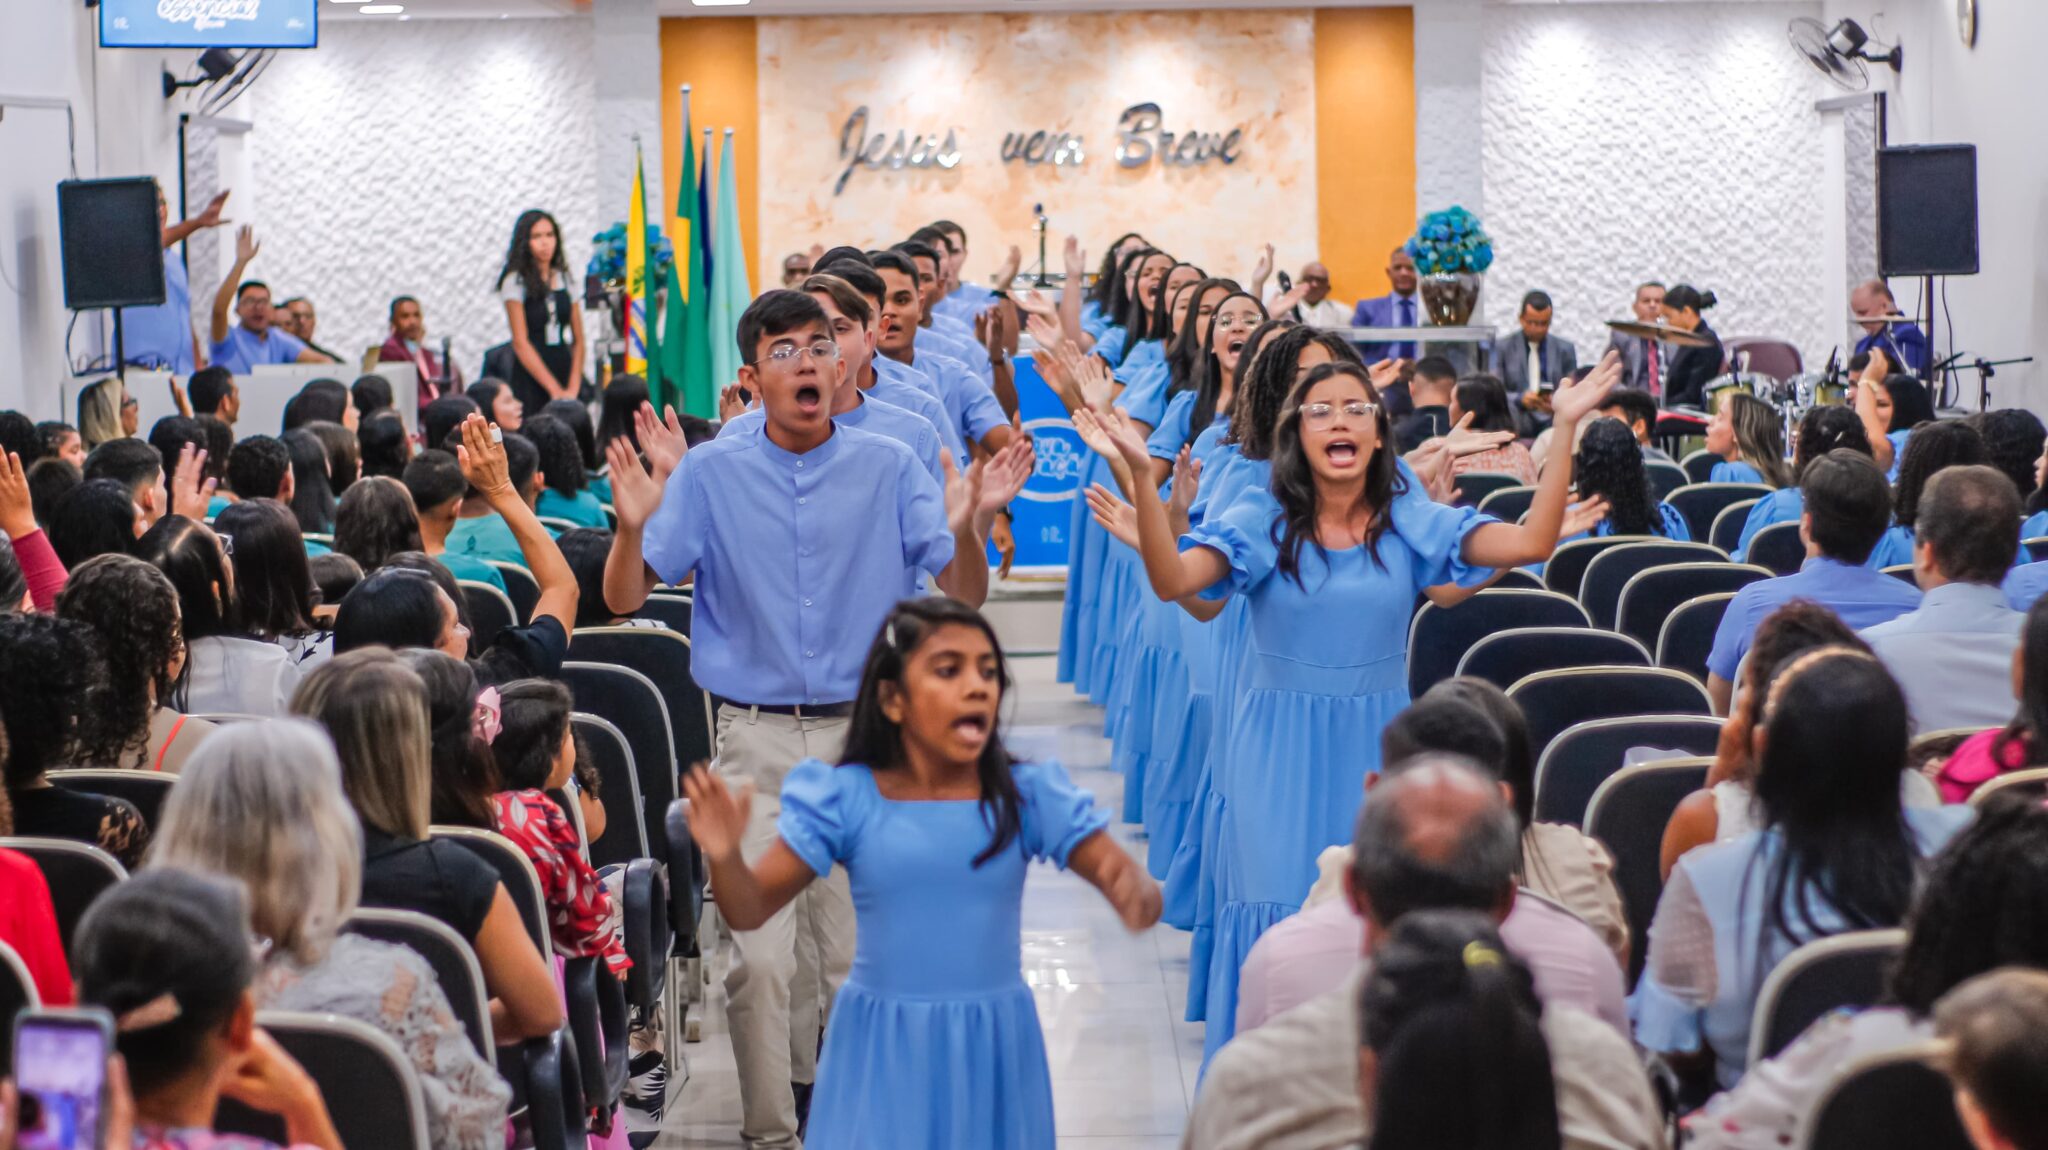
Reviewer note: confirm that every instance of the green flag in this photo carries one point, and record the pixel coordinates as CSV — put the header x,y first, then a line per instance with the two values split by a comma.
x,y
687,383
730,293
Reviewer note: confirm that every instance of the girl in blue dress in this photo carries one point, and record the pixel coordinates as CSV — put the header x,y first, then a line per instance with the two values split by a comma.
x,y
1612,480
1749,436
934,1039
1329,558
1100,308
1820,431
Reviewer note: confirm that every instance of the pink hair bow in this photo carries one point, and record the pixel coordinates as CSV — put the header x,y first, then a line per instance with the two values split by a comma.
x,y
488,719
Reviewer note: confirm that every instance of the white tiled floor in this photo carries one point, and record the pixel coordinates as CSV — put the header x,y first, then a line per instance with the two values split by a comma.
x,y
1123,1063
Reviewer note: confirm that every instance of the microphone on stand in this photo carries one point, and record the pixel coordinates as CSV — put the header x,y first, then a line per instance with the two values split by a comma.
x,y
1038,211
447,372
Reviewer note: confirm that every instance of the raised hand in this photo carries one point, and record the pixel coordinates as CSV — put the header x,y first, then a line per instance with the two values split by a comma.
x,y
1076,262
1572,402
191,490
1012,260
1094,432
1187,478
1264,267
1880,365
209,216
1580,518
1439,475
732,403
1289,300
1384,374
963,492
661,440
1034,303
483,458
1128,439
635,494
178,399
246,246
1096,381
1006,473
718,816
1461,440
17,510
1117,517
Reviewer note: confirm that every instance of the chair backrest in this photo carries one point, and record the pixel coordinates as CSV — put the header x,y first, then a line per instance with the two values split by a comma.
x,y
146,789
1700,502
521,586
1896,1099
223,718
1726,531
1819,977
1777,547
2037,548
1609,572
1566,570
1555,700
1649,597
1763,354
1699,465
1576,762
1505,658
664,657
631,702
1518,579
1507,504
1474,486
1687,637
1438,637
76,872
625,832
671,611
17,993
1665,478
1627,815
368,1082
514,869
490,612
2034,782
557,524
1903,572
454,964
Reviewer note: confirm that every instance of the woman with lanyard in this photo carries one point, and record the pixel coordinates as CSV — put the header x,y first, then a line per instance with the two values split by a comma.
x,y
546,322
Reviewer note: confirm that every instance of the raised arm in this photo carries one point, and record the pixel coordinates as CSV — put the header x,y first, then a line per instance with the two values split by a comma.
x,y
1508,545
1071,292
635,497
208,217
1120,879
246,248
1876,427
748,896
1173,573
483,464
972,501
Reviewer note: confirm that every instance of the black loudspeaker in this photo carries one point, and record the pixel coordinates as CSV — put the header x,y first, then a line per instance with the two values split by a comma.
x,y
113,244
1927,210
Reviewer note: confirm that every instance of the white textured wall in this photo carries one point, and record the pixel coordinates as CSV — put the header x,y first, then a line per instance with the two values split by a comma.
x,y
1667,141
1449,50
395,159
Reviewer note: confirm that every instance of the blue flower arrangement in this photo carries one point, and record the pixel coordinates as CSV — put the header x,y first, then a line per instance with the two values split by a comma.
x,y
1450,241
608,259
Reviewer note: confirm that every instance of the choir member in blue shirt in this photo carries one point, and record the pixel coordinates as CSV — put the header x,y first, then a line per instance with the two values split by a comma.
x,y
964,300
256,339
1100,308
1950,443
797,534
971,407
1847,508
1821,430
1749,436
1902,341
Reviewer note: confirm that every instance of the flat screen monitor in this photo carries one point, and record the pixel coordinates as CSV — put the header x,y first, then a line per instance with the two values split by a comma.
x,y
209,23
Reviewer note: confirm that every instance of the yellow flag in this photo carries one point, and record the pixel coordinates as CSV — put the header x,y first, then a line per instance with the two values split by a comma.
x,y
638,289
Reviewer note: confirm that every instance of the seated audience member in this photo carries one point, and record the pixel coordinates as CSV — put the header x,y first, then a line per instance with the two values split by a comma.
x,y
1436,835
334,576
563,488
49,481
296,315
536,753
1637,412
213,392
441,418
60,440
459,720
2015,439
18,437
106,412
312,501
434,480
385,445
1953,655
1951,443
618,409
273,581
1609,468
2018,745
586,549
257,337
98,517
135,465
344,454
499,403
263,805
1432,390
575,415
134,609
374,709
1483,397
1822,430
320,401
1994,1026
168,954
370,394
1749,436
28,919
482,531
172,437
1835,850
407,343
52,672
1910,408
228,669
220,442
1994,872
35,572
260,467
375,521
1846,510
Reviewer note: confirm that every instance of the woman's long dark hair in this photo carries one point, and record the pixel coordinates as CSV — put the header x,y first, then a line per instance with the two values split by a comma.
x,y
1102,293
1208,377
1185,350
385,445
1160,326
1453,1018
1294,482
620,399
135,610
312,493
375,521
1265,385
561,457
576,417
876,742
465,775
1911,405
189,555
1822,430
519,256
344,454
1933,447
1984,905
1610,464
1827,783
1125,306
1485,399
273,581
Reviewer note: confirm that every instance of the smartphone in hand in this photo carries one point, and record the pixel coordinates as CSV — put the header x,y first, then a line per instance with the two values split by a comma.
x,y
60,1069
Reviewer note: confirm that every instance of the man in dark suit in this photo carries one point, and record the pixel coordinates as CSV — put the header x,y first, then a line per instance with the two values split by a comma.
x,y
1532,359
1643,360
1399,308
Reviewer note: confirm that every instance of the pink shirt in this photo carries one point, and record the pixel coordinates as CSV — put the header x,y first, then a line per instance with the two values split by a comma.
x,y
1313,952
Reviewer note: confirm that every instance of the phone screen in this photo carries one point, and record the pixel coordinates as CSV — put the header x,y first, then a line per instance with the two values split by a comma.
x,y
60,1066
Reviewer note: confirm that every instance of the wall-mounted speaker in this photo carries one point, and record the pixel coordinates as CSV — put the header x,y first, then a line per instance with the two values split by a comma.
x,y
113,245
1927,210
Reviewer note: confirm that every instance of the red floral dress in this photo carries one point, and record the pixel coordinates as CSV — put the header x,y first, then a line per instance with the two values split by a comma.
x,y
582,916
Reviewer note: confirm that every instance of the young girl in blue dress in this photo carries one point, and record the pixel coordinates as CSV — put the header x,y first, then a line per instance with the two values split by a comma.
x,y
1329,559
934,1040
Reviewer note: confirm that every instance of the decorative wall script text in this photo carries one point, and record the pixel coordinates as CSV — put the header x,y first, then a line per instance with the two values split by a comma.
x,y
1035,148
859,149
205,15
1135,146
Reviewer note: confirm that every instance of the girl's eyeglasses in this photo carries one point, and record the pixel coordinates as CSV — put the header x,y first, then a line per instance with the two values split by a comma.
x,y
1318,416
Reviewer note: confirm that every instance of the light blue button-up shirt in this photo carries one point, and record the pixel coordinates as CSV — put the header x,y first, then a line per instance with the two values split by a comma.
x,y
163,332
797,558
2024,584
1862,597
971,355
243,349
971,408
1953,656
912,431
964,301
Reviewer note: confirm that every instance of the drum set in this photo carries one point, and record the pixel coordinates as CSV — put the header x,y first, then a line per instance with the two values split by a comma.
x,y
1791,397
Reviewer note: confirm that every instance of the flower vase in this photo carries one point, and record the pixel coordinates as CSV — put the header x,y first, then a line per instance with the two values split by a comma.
x,y
1450,298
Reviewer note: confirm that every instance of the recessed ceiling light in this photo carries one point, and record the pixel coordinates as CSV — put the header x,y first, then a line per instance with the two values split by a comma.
x,y
719,3
381,9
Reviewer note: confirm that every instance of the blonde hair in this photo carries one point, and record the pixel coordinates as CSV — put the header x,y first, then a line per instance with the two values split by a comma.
x,y
99,412
262,803
374,708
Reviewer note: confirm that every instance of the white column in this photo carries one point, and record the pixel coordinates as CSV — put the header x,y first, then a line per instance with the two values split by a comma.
x,y
1448,42
627,45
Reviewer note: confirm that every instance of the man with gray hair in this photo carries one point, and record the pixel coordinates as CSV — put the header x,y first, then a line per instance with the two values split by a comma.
x,y
1436,834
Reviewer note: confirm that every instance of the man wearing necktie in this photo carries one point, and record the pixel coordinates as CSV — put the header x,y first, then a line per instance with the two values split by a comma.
x,y
1398,308
1532,359
1642,360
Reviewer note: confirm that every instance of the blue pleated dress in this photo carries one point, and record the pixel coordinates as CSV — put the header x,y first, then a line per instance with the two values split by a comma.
x,y
934,1041
1120,582
1326,669
1086,550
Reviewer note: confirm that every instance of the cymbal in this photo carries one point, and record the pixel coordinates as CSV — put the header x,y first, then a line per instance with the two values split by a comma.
x,y
1662,333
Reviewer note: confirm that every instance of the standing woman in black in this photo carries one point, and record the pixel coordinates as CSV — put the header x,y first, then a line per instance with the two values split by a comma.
x,y
546,321
1685,381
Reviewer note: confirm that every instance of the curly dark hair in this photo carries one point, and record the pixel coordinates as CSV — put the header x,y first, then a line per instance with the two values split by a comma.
x,y
134,609
1984,904
52,674
1823,430
1610,464
1264,387
2013,437
1931,448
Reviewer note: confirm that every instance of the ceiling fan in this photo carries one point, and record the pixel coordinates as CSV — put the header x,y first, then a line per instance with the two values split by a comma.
x,y
1839,53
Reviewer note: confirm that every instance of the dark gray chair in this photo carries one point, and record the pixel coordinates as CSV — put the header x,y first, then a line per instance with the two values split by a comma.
x,y
1687,637
1609,572
1701,502
147,790
671,611
1777,547
1898,1100
368,1082
490,612
453,962
631,702
1627,815
1649,597
1508,504
1507,657
664,657
1575,763
1845,970
1566,571
520,586
77,874
1474,486
17,993
1438,637
1699,466
1554,701
625,835
1726,532
1665,478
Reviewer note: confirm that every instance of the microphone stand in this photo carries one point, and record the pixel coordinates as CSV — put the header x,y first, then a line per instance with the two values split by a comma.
x,y
1044,280
1985,369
